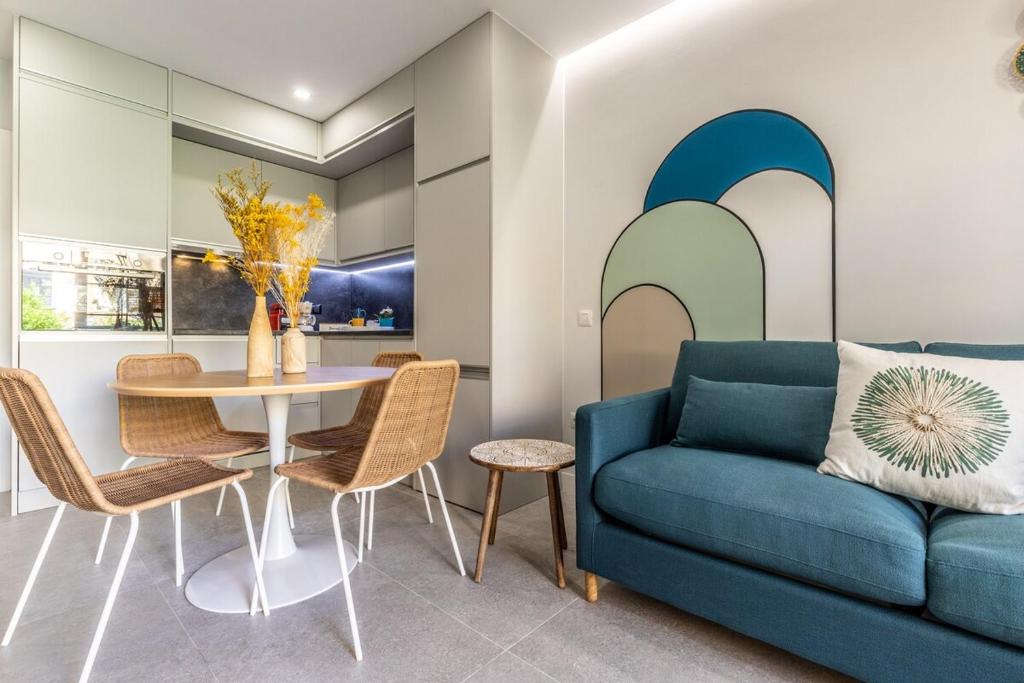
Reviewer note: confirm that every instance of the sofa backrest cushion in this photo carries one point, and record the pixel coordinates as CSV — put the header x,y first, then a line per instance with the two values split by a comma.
x,y
789,363
788,422
986,351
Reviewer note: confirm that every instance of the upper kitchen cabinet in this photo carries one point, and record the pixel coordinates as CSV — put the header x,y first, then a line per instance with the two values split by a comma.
x,y
195,214
288,185
64,57
399,205
91,169
199,104
361,212
453,101
372,112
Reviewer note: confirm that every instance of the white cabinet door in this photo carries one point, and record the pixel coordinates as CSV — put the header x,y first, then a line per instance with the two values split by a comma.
x,y
294,187
397,345
453,272
68,58
75,373
382,105
399,208
336,407
453,101
91,170
226,353
242,118
195,214
361,212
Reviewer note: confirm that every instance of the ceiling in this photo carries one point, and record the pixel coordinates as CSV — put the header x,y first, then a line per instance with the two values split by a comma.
x,y
338,49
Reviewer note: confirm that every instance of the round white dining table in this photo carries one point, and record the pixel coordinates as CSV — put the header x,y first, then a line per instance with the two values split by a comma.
x,y
297,567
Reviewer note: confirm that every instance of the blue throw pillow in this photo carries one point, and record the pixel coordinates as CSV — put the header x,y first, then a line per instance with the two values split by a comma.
x,y
789,422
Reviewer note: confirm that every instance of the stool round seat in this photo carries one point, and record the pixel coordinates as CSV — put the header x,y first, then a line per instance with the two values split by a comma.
x,y
523,455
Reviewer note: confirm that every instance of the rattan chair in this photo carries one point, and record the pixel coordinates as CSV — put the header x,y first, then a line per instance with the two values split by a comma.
x,y
57,463
407,434
172,428
353,436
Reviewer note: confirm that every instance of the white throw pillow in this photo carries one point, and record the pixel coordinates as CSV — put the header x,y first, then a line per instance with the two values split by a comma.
x,y
937,428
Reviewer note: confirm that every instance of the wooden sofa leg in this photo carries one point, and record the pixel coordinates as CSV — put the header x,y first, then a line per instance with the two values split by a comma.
x,y
591,586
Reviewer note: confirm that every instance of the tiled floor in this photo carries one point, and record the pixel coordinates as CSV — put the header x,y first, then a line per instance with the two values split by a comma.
x,y
418,618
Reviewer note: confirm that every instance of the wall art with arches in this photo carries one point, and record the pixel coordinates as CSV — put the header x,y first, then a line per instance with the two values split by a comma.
x,y
736,241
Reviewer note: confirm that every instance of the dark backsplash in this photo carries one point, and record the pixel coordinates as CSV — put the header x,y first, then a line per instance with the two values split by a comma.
x,y
209,296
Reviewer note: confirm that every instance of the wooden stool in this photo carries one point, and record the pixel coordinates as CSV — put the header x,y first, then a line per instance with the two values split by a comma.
x,y
523,455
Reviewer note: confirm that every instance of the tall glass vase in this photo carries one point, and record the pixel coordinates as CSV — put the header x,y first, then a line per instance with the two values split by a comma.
x,y
260,349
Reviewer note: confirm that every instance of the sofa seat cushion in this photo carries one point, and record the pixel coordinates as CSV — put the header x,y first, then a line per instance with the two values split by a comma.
x,y
773,514
976,573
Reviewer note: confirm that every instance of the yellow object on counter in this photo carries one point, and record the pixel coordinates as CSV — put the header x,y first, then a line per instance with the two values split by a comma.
x,y
357,322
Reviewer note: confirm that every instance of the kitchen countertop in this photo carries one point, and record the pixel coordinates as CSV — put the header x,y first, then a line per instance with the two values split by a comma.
x,y
365,332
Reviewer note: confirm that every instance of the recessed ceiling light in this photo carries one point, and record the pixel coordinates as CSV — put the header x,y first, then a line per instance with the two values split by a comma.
x,y
302,93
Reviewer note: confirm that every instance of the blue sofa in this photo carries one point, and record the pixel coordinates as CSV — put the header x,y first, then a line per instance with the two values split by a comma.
x,y
879,587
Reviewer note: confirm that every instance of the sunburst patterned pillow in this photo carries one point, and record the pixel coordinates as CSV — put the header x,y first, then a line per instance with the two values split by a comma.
x,y
937,428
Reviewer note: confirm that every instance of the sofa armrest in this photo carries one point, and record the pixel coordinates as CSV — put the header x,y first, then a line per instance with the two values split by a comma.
x,y
607,431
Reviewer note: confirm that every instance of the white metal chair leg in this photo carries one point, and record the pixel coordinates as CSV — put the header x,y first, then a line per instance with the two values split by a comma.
x,y
344,576
447,519
362,522
262,589
426,496
220,500
288,491
369,532
263,547
179,559
106,524
111,596
9,633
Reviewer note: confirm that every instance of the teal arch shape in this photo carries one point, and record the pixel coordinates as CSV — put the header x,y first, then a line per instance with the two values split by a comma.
x,y
735,146
702,253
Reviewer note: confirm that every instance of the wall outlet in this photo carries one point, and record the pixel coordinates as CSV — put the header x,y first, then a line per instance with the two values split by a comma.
x,y
585,318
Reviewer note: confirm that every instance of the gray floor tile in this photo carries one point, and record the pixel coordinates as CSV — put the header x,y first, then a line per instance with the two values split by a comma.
x,y
507,668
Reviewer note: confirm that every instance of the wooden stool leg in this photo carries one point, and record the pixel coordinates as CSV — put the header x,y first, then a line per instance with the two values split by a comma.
x,y
591,586
497,508
556,539
490,511
561,512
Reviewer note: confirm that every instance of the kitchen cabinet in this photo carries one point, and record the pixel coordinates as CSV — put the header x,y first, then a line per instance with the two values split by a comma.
x,y
62,56
195,213
453,261
79,391
487,206
361,212
452,87
376,109
89,169
291,186
203,105
336,407
399,207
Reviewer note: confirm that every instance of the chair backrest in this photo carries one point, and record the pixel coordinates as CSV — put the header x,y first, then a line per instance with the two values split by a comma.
x,y
54,458
150,423
412,423
370,400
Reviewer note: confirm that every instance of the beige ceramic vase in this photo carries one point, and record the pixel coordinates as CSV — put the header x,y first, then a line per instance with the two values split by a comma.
x,y
260,348
293,351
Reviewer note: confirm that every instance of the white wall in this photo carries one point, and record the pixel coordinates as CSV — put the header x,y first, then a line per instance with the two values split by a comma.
x,y
914,101
6,75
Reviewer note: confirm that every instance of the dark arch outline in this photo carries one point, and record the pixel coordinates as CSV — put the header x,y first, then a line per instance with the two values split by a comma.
x,y
693,323
760,254
831,196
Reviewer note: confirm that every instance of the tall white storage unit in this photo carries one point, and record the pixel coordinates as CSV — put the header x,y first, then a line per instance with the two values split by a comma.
x,y
488,203
92,164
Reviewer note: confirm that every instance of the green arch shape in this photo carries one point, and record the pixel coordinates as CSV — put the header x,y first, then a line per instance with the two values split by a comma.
x,y
702,253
